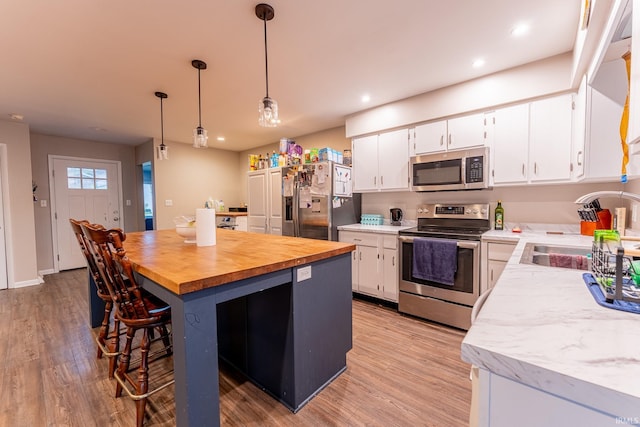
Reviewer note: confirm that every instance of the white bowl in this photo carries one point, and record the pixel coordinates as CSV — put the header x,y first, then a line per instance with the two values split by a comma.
x,y
188,231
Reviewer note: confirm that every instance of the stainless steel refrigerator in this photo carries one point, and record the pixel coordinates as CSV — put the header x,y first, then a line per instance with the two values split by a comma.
x,y
316,199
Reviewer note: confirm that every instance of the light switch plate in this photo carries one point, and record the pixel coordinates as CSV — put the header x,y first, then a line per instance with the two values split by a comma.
x,y
168,202
303,273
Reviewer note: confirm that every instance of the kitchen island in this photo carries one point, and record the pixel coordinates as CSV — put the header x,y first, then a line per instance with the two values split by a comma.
x,y
548,353
277,308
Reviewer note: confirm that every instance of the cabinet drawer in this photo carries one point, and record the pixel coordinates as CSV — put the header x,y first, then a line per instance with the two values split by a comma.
x,y
362,239
390,241
500,251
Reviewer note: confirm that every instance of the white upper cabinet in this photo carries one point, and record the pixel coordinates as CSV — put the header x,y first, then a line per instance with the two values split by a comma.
x,y
452,134
550,139
430,137
466,131
381,162
511,145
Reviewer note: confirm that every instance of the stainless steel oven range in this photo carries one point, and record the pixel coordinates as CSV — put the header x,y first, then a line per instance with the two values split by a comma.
x,y
444,303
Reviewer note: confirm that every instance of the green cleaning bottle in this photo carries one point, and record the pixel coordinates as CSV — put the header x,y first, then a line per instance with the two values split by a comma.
x,y
499,216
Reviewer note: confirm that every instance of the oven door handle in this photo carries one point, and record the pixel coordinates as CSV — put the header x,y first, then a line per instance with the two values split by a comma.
x,y
465,244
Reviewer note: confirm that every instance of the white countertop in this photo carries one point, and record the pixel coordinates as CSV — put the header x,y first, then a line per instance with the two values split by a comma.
x,y
384,229
540,326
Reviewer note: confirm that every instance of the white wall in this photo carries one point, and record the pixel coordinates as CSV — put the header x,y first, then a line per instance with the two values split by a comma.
x,y
334,138
545,77
44,145
18,203
190,176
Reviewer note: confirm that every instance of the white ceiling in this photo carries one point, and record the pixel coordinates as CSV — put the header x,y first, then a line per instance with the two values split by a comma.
x,y
89,69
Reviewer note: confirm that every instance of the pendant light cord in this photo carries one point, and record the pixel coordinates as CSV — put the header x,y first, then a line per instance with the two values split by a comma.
x,y
199,102
266,58
161,123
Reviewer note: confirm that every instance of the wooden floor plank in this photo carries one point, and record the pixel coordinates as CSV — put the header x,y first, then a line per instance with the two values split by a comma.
x,y
401,371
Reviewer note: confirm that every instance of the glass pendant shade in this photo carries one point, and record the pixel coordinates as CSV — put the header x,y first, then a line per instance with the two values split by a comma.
x,y
163,151
200,137
268,113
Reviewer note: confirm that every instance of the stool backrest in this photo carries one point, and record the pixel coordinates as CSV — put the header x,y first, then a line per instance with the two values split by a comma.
x,y
84,247
116,271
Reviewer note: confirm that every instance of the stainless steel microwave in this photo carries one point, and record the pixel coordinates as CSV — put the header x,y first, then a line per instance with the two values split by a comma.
x,y
451,170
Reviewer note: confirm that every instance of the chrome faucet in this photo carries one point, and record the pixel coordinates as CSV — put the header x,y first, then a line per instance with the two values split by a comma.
x,y
587,198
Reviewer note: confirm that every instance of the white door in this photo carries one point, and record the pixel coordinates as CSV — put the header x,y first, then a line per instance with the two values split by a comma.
x,y
466,131
365,163
275,201
82,189
257,215
3,250
511,145
393,160
431,137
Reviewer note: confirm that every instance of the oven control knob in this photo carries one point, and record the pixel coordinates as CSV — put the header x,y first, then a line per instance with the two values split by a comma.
x,y
419,210
468,211
475,211
483,211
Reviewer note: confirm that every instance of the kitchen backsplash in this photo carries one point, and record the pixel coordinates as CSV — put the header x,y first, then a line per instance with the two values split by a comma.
x,y
550,204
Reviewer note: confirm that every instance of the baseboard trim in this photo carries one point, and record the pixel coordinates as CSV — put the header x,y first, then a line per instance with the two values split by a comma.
x,y
25,283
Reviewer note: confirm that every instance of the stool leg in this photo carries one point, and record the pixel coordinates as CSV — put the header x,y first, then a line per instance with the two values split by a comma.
x,y
104,327
125,358
143,377
114,346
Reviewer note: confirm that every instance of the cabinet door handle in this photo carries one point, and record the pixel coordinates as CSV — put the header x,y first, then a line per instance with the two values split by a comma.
x,y
354,255
375,180
450,139
491,275
535,168
357,240
393,261
381,180
580,158
441,140
360,256
523,169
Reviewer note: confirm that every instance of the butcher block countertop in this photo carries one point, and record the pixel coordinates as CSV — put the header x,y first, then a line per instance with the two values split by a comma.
x,y
163,257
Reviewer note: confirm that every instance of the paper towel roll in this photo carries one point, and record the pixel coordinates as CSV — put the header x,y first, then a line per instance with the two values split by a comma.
x,y
205,227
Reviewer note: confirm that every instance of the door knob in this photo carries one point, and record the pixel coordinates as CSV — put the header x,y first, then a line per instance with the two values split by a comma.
x,y
116,219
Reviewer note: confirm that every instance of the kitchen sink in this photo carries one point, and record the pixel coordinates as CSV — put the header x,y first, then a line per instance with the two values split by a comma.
x,y
557,256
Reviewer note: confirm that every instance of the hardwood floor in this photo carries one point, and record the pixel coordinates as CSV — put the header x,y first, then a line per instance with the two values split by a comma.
x,y
401,371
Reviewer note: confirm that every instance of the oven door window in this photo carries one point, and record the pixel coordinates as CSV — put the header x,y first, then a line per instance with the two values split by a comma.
x,y
463,279
438,173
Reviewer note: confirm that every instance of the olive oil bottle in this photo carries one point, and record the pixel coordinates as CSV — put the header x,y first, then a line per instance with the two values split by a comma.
x,y
499,216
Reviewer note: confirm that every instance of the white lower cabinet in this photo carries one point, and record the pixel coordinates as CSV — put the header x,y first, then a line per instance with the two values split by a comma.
x,y
495,256
374,271
508,403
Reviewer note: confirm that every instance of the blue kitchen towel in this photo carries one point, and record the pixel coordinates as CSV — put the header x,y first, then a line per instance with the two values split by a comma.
x,y
596,292
435,260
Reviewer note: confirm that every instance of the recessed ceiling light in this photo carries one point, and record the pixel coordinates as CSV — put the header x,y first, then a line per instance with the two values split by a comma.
x,y
519,30
220,138
97,129
365,98
15,116
478,63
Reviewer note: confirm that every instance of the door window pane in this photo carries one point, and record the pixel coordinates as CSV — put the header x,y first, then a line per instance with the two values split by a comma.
x,y
87,179
74,183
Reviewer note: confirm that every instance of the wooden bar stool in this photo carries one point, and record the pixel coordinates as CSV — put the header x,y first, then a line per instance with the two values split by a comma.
x,y
136,310
108,339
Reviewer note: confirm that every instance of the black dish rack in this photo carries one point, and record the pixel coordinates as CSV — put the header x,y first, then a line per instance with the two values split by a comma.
x,y
615,270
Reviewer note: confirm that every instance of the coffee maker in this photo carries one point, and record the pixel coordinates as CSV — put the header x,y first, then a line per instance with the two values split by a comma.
x,y
396,216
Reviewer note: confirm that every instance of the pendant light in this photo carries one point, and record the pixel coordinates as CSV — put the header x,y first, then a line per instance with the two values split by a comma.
x,y
199,134
163,151
267,107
